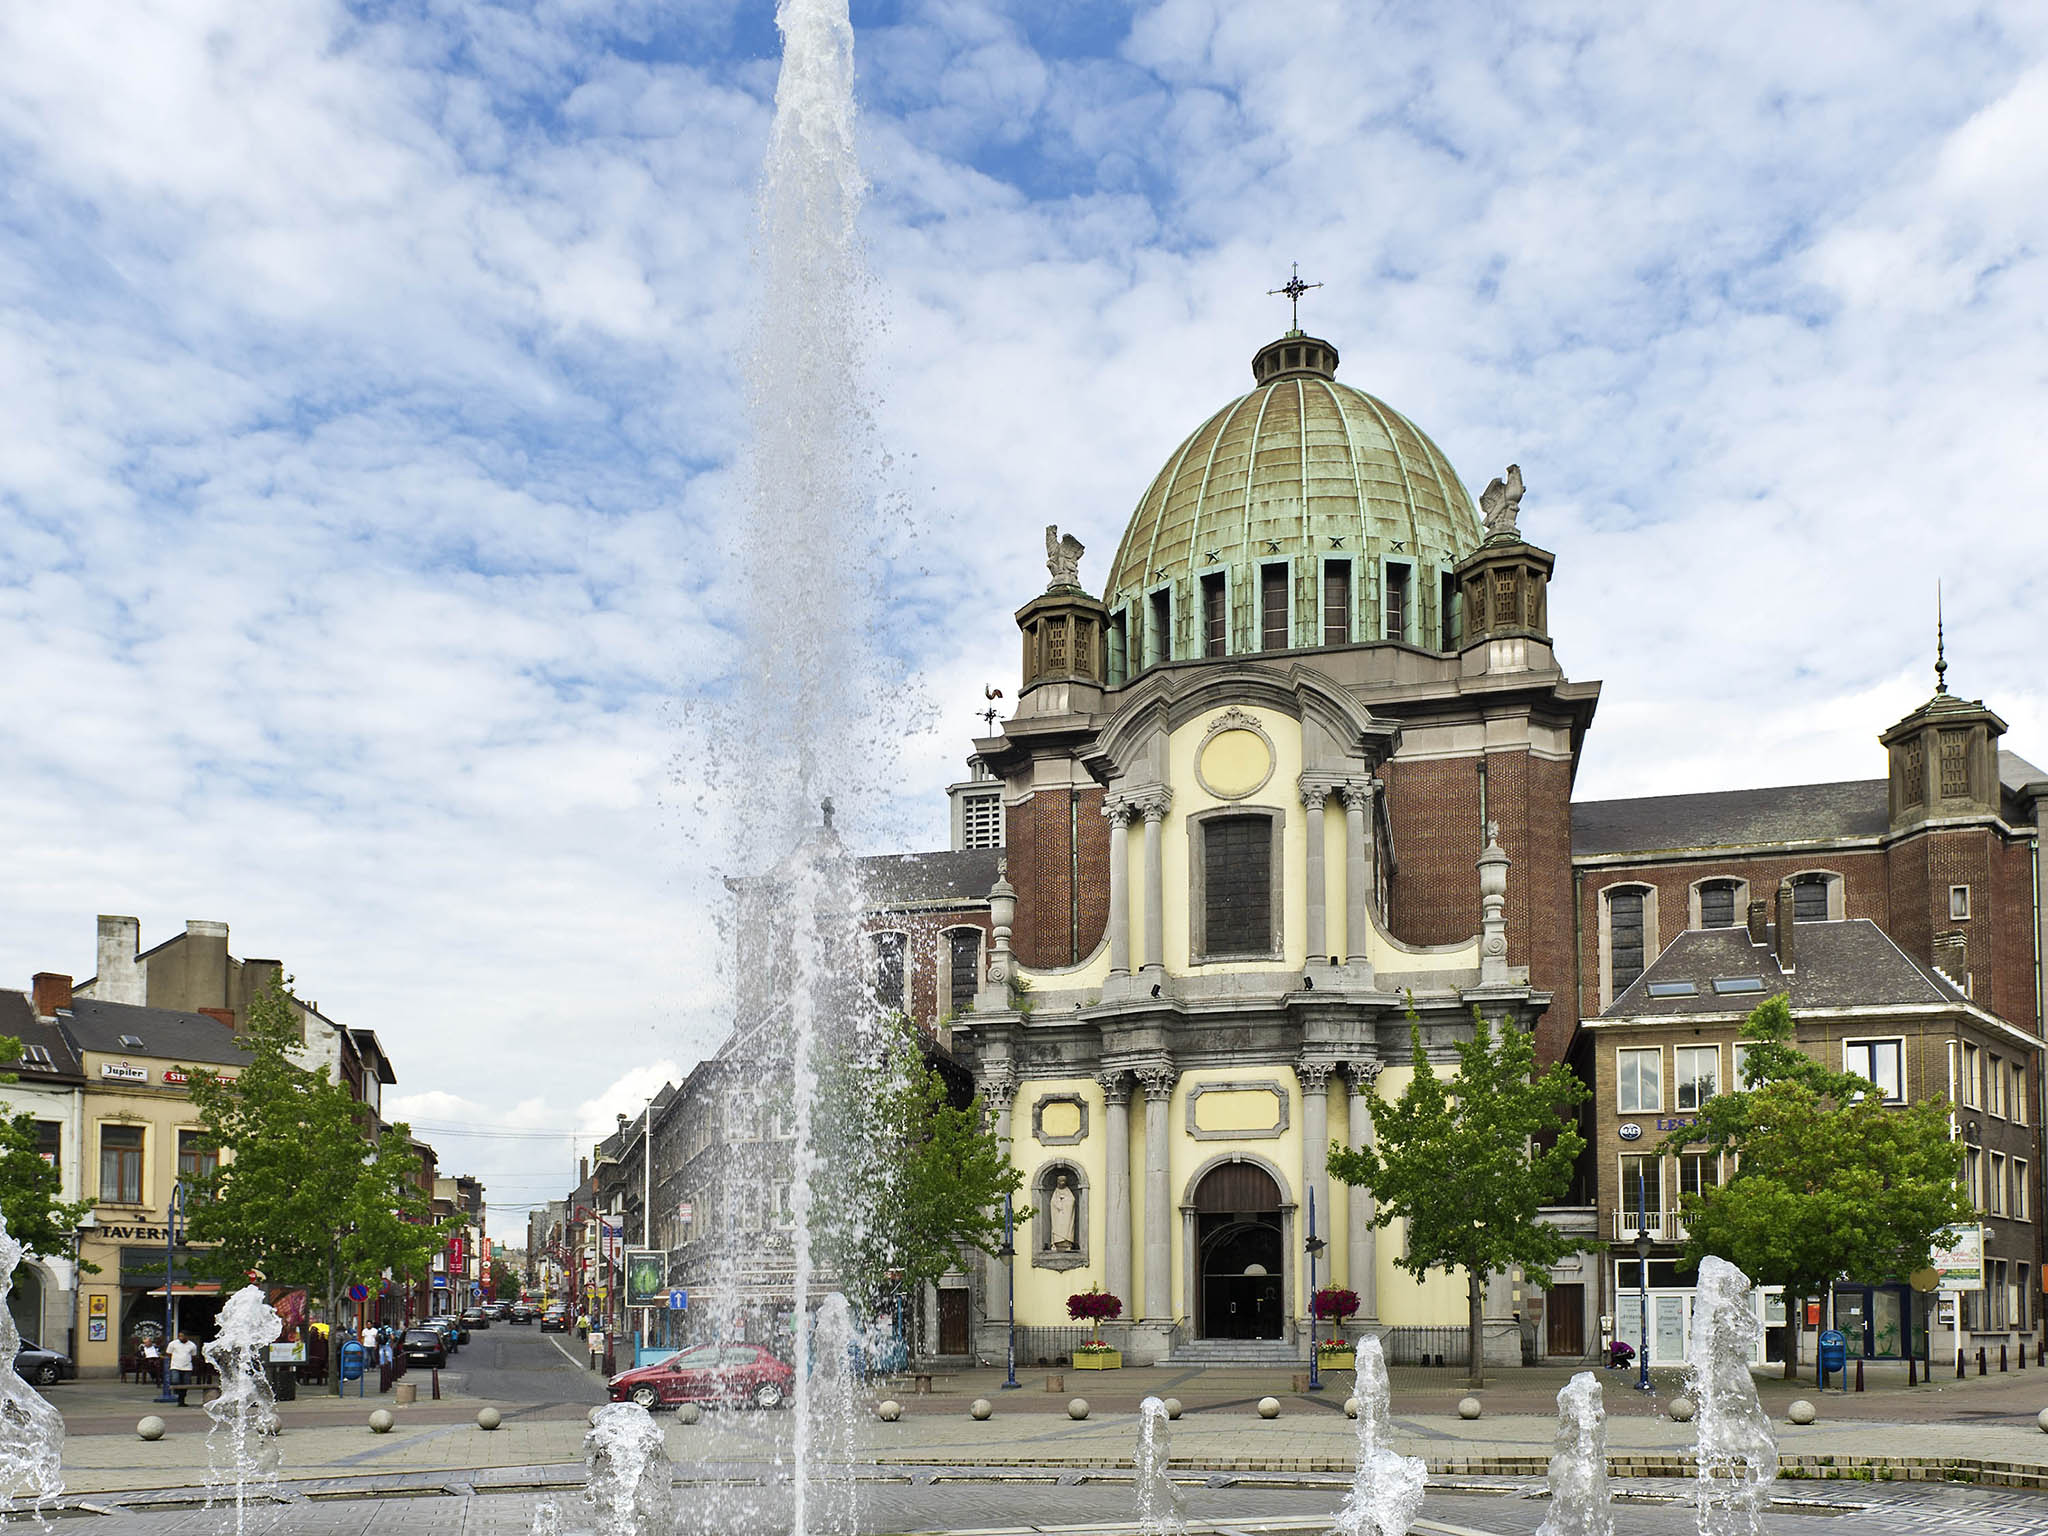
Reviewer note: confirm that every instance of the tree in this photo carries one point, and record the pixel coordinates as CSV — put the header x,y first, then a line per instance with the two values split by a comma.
x,y
1468,1163
1828,1181
909,1179
309,1192
504,1281
29,1186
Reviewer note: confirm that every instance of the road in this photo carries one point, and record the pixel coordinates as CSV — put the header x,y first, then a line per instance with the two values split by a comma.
x,y
519,1365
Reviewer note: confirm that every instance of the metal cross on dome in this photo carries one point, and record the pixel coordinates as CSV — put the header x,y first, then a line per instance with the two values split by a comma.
x,y
1294,288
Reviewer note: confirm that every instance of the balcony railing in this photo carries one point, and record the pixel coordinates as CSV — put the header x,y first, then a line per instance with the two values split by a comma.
x,y
1663,1226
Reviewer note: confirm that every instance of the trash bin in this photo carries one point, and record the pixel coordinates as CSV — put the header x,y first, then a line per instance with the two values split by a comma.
x,y
1834,1355
284,1381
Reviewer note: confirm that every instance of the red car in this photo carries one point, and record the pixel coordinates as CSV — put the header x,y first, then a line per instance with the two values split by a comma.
x,y
709,1373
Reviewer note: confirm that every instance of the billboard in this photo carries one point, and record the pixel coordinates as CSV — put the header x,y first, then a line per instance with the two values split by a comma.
x,y
646,1277
1959,1258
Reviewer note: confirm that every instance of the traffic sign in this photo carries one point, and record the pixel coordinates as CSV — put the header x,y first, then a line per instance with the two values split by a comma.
x,y
440,1282
359,1293
679,1301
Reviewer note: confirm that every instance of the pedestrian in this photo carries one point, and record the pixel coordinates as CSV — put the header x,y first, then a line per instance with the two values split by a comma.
x,y
183,1355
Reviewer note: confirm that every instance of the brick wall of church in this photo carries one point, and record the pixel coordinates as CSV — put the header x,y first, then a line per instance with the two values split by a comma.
x,y
1039,835
1433,808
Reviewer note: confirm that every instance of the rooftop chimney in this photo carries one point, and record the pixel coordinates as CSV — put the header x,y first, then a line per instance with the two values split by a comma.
x,y
52,992
225,1015
1785,926
1759,921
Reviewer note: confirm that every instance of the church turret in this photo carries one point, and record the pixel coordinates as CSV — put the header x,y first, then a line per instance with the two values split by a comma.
x,y
1503,586
1065,629
1943,756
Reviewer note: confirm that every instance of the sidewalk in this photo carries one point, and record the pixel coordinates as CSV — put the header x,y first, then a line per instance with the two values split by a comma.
x,y
1983,1430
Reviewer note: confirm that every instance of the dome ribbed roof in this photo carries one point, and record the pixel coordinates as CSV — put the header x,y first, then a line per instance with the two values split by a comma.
x,y
1301,468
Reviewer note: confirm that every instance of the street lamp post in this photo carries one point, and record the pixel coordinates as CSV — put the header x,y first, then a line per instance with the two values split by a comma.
x,y
1315,1246
1643,1278
1008,1253
87,1224
170,1288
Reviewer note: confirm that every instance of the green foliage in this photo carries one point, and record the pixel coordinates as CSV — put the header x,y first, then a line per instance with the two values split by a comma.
x,y
505,1281
304,1194
909,1180
1467,1163
29,1187
1828,1181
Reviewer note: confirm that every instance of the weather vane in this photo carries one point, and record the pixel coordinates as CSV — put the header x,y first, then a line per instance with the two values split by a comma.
x,y
1294,288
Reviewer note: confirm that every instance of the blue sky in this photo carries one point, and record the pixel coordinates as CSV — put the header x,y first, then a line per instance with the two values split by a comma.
x,y
372,407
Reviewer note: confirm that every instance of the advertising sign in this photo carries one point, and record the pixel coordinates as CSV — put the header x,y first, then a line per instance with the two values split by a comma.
x,y
1959,1258
646,1277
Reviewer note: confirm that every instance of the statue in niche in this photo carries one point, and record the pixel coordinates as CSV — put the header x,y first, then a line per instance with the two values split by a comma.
x,y
1500,503
1063,557
1061,1213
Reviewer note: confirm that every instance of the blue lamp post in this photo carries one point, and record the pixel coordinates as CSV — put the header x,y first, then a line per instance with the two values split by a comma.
x,y
1008,1253
170,1286
1314,1246
1643,1276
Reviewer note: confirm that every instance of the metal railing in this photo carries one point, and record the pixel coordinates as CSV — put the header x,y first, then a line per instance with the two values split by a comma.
x,y
1054,1345
1430,1346
1663,1226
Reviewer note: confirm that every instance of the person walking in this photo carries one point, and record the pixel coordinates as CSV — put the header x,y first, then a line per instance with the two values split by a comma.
x,y
183,1358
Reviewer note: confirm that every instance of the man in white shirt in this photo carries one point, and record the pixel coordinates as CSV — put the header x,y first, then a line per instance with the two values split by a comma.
x,y
183,1356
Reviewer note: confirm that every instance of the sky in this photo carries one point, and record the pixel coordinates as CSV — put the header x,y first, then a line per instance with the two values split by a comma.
x,y
373,418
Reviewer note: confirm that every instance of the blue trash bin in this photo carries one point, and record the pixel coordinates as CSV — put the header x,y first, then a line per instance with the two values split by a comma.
x,y
1834,1356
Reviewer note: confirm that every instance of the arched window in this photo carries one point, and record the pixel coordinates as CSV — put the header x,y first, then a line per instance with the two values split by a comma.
x,y
1720,903
1810,903
890,952
963,968
1628,936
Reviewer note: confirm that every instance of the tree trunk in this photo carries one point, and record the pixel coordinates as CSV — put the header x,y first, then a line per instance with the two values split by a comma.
x,y
1795,1320
333,1327
1475,1341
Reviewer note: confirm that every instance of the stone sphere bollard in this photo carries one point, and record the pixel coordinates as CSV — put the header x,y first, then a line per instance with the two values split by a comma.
x,y
888,1410
151,1427
1681,1409
1078,1408
488,1418
2040,1418
690,1413
1269,1407
981,1408
1350,1407
1801,1412
1470,1408
381,1421
1172,1407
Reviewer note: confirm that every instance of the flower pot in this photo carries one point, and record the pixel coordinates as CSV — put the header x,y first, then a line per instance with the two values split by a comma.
x,y
1098,1359
1337,1359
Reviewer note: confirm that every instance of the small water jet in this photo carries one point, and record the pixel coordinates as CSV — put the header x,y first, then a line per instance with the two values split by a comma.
x,y
629,1485
1737,1453
31,1429
241,1448
1159,1502
1580,1502
1386,1488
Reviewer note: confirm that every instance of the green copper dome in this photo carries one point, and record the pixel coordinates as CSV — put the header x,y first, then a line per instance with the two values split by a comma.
x,y
1304,487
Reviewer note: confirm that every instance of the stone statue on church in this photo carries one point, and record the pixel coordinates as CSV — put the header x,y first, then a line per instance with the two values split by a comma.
x,y
1500,503
1061,1211
1063,557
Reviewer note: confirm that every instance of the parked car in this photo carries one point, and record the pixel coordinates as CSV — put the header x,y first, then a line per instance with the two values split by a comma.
x,y
709,1373
44,1367
498,1311
451,1325
475,1317
524,1312
426,1346
555,1320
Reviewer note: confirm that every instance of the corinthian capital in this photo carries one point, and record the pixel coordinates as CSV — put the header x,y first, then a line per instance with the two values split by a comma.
x,y
1153,803
1314,1075
1116,1086
1119,810
1358,793
1158,1080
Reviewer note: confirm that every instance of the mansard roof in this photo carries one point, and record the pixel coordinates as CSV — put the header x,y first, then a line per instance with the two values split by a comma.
x,y
164,1032
1846,964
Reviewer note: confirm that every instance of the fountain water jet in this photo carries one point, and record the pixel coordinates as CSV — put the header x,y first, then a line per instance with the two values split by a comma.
x,y
1386,1488
629,1484
1580,1501
1159,1502
1736,1451
241,1448
31,1429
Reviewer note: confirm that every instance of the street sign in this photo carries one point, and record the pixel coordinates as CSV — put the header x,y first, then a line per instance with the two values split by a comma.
x,y
679,1301
440,1282
359,1293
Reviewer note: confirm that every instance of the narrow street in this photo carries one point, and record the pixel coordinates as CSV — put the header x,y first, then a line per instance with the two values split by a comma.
x,y
521,1369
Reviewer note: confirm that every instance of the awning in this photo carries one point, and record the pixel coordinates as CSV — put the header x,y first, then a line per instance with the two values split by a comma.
x,y
195,1288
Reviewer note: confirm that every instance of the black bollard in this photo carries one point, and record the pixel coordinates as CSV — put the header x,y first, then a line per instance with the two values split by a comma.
x,y
1859,1373
437,1386
1980,1359
2001,1359
1912,1372
1960,1372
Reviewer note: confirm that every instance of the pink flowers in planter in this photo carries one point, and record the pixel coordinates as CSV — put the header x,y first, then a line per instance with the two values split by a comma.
x,y
1093,1306
1334,1302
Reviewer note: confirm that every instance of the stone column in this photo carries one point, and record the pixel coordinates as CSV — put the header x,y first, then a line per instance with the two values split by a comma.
x,y
1357,869
1158,1083
1314,794
1116,1237
999,1092
1119,814
1362,1248
1314,1077
1493,900
1154,807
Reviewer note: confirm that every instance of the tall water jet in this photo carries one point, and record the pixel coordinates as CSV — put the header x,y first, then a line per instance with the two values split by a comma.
x,y
1737,1453
628,1480
1386,1488
241,1448
31,1429
1159,1502
1580,1502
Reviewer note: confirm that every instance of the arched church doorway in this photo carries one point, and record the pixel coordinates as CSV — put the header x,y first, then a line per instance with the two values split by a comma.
x,y
1243,1260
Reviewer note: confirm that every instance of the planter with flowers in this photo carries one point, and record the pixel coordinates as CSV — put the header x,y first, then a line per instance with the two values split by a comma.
x,y
1093,1306
1334,1304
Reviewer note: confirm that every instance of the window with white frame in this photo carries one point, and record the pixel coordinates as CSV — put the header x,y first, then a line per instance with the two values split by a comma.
x,y
1882,1061
1959,903
1973,1075
1698,1172
1696,1070
1997,1184
1639,1079
2022,1205
1973,1176
981,819
2016,1093
1641,1189
1740,1052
